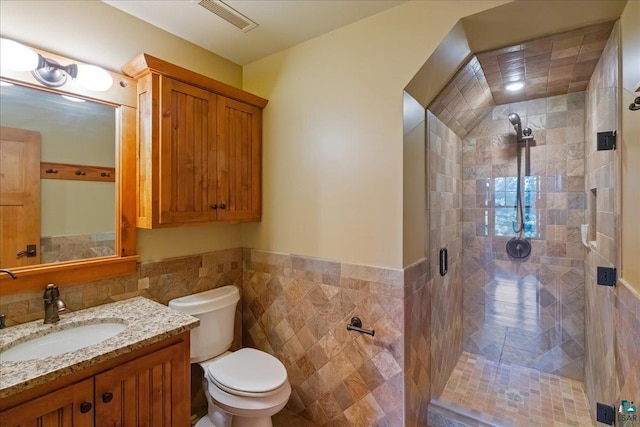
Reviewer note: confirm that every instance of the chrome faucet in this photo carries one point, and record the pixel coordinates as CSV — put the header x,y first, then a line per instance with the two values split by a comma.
x,y
52,304
3,317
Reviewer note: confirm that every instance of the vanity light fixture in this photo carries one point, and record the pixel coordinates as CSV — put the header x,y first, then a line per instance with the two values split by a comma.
x,y
514,86
18,57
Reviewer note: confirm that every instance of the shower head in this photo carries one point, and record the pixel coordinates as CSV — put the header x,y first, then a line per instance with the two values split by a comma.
x,y
514,118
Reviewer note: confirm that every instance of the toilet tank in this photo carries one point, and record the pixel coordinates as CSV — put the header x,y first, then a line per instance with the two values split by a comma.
x,y
216,310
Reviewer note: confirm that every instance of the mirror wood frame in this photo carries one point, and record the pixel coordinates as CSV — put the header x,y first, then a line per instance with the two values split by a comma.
x,y
122,96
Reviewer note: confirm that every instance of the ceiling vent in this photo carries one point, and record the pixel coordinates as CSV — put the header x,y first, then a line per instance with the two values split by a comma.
x,y
229,14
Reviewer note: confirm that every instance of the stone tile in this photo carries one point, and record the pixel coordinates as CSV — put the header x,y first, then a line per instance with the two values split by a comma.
x,y
364,412
329,270
520,396
373,274
159,268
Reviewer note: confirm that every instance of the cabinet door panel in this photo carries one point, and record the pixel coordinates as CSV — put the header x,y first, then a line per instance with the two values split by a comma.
x,y
239,160
150,391
60,408
187,153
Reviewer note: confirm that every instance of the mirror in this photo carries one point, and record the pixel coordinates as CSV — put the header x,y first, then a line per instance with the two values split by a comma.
x,y
87,182
74,217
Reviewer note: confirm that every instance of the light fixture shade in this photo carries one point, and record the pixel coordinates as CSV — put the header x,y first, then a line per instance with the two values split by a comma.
x,y
72,98
15,56
94,78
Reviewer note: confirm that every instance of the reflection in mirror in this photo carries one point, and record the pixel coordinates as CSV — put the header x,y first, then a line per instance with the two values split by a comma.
x,y
69,212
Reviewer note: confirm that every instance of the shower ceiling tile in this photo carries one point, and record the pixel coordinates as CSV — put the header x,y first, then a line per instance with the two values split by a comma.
x,y
549,66
557,58
461,105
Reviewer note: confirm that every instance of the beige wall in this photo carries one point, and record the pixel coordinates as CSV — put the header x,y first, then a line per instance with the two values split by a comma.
x,y
414,206
94,32
333,159
630,150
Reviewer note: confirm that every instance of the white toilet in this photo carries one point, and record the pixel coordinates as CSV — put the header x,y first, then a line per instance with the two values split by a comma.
x,y
243,388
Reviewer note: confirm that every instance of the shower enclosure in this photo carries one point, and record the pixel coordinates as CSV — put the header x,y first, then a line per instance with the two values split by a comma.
x,y
524,191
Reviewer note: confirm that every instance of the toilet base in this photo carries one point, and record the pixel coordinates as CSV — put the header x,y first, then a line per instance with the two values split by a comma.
x,y
204,422
220,415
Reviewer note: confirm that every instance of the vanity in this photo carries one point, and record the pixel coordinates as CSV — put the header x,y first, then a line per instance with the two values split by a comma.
x,y
158,147
137,377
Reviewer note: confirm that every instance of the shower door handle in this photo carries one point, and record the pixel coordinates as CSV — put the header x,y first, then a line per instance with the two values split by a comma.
x,y
444,261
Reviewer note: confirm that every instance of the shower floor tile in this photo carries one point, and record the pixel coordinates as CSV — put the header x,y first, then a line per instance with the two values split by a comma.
x,y
516,396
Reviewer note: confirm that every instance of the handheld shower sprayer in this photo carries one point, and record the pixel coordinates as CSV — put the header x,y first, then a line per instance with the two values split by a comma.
x,y
514,118
521,134
519,248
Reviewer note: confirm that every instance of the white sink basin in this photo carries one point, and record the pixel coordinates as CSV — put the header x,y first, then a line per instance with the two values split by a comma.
x,y
63,341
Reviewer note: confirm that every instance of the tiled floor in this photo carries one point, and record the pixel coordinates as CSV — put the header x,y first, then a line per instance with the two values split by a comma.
x,y
508,395
516,396
286,418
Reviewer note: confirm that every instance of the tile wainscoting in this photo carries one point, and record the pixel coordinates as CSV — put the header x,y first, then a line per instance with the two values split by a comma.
x,y
417,344
297,309
160,281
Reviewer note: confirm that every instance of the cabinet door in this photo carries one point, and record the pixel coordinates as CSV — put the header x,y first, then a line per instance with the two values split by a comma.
x,y
150,391
71,406
239,160
187,153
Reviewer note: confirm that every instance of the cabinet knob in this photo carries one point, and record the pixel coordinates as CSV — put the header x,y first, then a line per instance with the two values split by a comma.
x,y
223,206
214,206
85,407
107,397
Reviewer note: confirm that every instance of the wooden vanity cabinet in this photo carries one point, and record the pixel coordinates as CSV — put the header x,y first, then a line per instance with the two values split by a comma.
x,y
70,406
150,390
199,147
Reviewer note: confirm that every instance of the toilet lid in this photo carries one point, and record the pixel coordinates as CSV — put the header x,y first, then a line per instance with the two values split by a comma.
x,y
248,370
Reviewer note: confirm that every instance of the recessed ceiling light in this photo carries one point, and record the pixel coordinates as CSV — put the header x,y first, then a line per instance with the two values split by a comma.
x,y
512,87
72,98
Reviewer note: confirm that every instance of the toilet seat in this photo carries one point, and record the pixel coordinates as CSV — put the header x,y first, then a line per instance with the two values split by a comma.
x,y
249,406
248,372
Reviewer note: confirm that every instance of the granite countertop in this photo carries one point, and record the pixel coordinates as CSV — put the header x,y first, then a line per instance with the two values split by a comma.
x,y
146,321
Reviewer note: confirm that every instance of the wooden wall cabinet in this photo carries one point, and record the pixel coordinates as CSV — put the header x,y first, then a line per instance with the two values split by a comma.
x,y
199,147
150,390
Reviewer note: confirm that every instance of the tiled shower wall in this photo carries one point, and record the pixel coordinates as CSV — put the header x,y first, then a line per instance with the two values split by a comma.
x,y
528,313
601,115
444,157
613,314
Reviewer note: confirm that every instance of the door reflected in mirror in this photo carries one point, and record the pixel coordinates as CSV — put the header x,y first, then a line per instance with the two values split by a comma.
x,y
57,180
